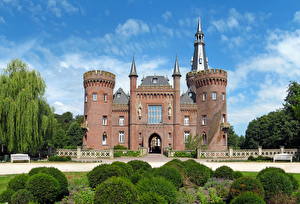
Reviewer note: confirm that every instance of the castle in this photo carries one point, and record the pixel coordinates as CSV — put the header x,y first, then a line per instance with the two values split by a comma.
x,y
155,115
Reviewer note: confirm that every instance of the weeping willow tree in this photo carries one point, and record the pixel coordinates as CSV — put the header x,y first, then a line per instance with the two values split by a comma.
x,y
26,120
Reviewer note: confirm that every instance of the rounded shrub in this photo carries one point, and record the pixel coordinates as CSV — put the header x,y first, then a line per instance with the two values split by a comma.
x,y
237,174
36,170
102,172
18,182
169,173
43,187
115,190
6,195
139,165
244,184
275,182
22,196
197,173
126,168
273,169
224,172
248,198
158,185
151,197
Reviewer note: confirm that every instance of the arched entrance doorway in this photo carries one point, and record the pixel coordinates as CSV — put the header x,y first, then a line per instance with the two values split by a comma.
x,y
155,143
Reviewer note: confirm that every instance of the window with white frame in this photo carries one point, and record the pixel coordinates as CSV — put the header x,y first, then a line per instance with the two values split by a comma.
x,y
104,120
104,139
186,136
214,96
121,120
223,118
121,137
223,96
105,98
204,138
94,97
204,119
86,98
154,114
204,95
186,120
154,80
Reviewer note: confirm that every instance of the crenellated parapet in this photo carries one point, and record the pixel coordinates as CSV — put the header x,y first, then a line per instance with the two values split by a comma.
x,y
207,78
99,78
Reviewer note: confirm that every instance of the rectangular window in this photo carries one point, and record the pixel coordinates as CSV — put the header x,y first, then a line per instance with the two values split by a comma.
x,y
105,98
223,96
204,119
140,135
204,97
121,120
104,120
223,118
86,98
104,139
214,96
186,120
154,114
186,136
121,137
170,135
94,97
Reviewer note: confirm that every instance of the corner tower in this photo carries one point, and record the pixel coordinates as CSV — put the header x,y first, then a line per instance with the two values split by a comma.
x,y
209,86
98,87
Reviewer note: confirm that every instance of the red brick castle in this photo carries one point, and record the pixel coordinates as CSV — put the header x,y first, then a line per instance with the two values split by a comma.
x,y
155,115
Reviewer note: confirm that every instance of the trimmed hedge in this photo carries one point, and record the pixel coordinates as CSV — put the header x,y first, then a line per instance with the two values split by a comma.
x,y
126,168
139,165
102,172
6,195
115,190
224,172
22,196
197,173
158,185
120,147
43,187
244,184
18,182
273,169
151,197
59,158
248,198
191,154
237,174
128,153
169,173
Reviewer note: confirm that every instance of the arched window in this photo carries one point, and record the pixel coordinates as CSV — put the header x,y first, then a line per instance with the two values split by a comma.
x,y
104,139
204,138
224,140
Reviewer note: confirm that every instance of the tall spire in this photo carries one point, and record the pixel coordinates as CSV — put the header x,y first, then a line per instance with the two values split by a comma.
x,y
199,61
176,71
133,68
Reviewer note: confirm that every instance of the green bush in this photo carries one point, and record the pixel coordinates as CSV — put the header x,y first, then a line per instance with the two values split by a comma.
x,y
6,195
275,182
118,154
294,182
139,165
18,182
59,158
248,198
191,154
222,187
43,187
151,197
85,196
186,196
197,173
58,175
251,158
169,173
115,190
22,196
127,153
158,185
126,168
120,147
273,169
244,184
224,172
282,198
102,172
259,158
237,174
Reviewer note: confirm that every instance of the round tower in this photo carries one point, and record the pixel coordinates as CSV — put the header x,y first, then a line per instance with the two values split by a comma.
x,y
210,88
98,87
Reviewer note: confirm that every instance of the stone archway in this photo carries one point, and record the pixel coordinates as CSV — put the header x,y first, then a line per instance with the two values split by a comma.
x,y
154,143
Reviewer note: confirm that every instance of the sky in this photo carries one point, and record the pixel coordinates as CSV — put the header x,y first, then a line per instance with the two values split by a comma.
x,y
257,42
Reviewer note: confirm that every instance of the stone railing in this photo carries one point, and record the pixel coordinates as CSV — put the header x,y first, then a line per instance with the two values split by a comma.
x,y
172,153
245,153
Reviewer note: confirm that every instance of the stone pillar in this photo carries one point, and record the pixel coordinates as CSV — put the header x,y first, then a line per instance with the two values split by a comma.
x,y
230,152
281,149
78,152
111,153
259,150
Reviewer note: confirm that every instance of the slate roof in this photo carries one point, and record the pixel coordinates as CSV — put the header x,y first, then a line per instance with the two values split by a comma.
x,y
120,97
160,81
189,97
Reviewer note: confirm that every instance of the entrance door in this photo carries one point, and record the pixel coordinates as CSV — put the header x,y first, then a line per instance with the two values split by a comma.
x,y
155,143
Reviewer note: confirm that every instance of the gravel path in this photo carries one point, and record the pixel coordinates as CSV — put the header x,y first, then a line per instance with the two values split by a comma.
x,y
153,160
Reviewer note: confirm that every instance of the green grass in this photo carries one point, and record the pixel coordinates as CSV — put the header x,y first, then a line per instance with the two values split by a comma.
x,y
4,181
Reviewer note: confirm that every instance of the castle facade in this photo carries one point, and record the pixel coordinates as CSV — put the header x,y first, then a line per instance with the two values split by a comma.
x,y
155,115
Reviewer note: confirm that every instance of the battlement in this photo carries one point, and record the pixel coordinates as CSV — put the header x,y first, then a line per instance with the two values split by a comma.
x,y
96,74
207,72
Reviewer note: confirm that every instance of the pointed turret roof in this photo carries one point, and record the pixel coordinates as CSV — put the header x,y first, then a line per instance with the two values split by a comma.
x,y
133,69
199,27
176,71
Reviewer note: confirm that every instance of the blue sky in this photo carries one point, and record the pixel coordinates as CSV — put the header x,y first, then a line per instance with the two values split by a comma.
x,y
257,42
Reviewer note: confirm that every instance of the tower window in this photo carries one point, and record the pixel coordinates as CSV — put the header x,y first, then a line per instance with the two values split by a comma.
x,y
186,120
105,97
200,60
104,120
94,97
170,135
104,139
140,135
204,138
186,136
223,118
85,98
223,96
154,114
121,120
154,80
204,119
121,137
214,96
204,96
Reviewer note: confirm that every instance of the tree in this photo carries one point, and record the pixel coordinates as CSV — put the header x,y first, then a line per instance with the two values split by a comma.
x,y
292,100
194,142
75,134
233,140
27,121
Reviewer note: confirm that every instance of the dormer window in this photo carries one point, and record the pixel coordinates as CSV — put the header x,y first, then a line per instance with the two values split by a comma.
x,y
200,60
190,94
154,80
118,95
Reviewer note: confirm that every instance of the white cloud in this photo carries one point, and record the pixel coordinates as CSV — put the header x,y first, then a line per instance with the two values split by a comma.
x,y
2,20
167,15
57,7
132,27
297,17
